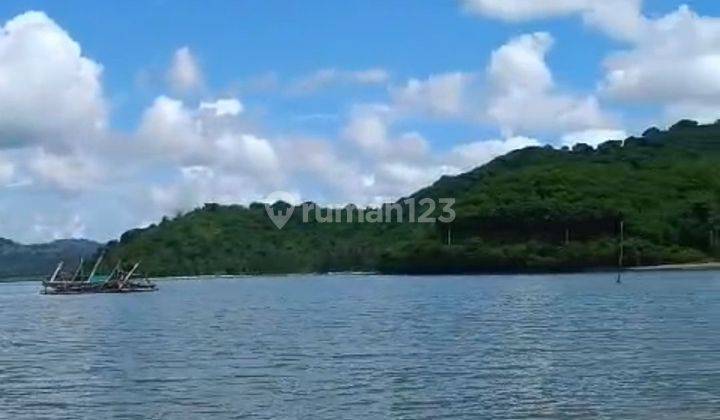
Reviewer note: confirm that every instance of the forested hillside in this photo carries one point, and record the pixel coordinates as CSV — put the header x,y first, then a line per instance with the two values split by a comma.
x,y
17,260
536,209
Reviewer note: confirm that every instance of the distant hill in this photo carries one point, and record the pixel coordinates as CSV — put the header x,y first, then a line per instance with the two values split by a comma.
x,y
17,260
535,209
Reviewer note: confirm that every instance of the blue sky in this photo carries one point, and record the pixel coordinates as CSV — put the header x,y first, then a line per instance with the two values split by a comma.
x,y
120,112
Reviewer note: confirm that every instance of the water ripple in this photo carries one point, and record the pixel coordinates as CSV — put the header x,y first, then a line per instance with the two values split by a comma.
x,y
367,347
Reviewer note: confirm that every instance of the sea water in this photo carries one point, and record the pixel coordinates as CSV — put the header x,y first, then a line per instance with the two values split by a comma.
x,y
366,347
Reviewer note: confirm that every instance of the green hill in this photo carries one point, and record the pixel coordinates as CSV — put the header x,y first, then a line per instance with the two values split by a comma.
x,y
536,209
17,260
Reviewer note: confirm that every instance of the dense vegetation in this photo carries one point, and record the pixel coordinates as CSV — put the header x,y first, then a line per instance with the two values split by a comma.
x,y
20,261
536,209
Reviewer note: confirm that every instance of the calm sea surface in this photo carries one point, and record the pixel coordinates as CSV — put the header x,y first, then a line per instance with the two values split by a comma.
x,y
366,347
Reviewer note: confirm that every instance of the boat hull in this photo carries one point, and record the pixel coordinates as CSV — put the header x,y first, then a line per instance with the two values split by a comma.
x,y
79,289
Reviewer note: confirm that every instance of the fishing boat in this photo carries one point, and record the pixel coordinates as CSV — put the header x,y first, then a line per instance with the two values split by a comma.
x,y
117,281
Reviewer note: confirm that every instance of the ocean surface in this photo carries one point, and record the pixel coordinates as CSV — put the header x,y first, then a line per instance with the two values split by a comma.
x,y
368,347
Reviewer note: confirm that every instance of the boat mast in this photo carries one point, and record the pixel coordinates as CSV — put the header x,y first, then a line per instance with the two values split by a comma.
x,y
95,267
621,253
56,272
78,270
112,273
129,274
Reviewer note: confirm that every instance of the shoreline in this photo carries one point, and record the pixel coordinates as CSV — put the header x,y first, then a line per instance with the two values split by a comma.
x,y
706,266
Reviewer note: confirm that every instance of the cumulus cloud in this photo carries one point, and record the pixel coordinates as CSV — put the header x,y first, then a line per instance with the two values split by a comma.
x,y
376,162
224,107
368,131
320,170
470,155
520,10
670,60
593,137
67,173
173,132
59,227
49,92
395,176
249,152
520,64
169,127
441,95
53,114
618,18
705,112
186,152
194,185
524,96
185,74
518,93
674,62
399,163
325,78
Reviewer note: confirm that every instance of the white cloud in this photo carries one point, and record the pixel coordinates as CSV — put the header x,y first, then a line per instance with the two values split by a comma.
x,y
617,18
524,96
325,78
185,74
58,227
7,172
248,152
290,197
671,60
705,112
170,128
593,137
322,171
521,10
68,173
53,114
441,95
521,112
410,146
370,76
224,107
49,92
470,155
171,132
197,185
185,153
368,131
675,60
401,176
392,165
520,65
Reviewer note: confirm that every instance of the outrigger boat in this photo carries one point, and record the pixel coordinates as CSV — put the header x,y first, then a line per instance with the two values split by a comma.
x,y
118,281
